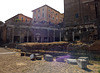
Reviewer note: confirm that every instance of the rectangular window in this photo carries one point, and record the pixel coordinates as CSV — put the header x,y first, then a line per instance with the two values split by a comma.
x,y
86,19
76,15
39,10
34,18
49,10
43,9
26,20
38,16
34,11
49,15
53,17
22,19
43,15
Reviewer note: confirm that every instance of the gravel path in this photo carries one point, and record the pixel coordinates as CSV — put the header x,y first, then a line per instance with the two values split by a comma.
x,y
14,63
56,67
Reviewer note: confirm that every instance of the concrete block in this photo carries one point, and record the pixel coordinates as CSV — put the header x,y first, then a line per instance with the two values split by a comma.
x,y
86,58
37,54
32,57
82,63
38,57
71,61
48,57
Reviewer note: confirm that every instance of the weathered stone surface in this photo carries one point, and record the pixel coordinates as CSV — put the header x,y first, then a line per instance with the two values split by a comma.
x,y
48,57
82,63
32,57
71,61
86,58
39,57
28,54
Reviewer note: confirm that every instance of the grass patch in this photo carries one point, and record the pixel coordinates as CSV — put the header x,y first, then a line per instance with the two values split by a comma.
x,y
99,71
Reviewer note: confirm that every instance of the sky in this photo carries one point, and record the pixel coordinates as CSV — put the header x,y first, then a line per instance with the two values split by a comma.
x,y
10,8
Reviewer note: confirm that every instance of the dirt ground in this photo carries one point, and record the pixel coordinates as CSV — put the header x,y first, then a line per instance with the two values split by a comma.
x,y
14,63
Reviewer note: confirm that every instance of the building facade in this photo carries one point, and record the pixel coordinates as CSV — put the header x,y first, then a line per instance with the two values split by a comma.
x,y
82,19
47,14
81,11
20,31
19,18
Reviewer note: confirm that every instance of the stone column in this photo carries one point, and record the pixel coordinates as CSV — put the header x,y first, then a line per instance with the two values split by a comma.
x,y
60,35
20,34
34,34
73,35
13,35
48,34
54,35
27,35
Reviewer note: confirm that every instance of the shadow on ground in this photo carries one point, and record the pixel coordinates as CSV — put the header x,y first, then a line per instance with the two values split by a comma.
x,y
87,69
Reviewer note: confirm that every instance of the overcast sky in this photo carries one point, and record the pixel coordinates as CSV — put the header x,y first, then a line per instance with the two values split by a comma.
x,y
9,8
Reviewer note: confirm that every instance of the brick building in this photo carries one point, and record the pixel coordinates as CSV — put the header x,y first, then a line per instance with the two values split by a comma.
x,y
82,19
47,14
81,11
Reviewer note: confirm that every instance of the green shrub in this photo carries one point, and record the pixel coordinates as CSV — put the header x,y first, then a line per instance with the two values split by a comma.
x,y
99,71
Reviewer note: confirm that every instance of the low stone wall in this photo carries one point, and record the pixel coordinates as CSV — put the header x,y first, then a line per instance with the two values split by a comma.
x,y
54,46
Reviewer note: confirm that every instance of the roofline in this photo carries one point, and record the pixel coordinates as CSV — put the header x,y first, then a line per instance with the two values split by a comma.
x,y
47,6
17,15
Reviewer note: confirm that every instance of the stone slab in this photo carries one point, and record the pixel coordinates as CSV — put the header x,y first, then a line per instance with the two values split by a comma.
x,y
86,58
32,57
71,61
82,63
48,57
